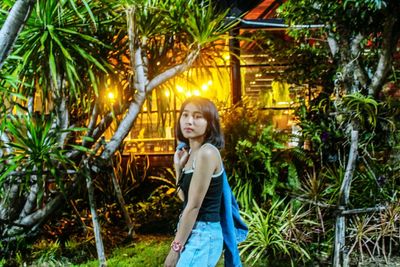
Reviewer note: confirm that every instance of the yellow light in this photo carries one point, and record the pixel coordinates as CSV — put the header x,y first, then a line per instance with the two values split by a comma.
x,y
204,87
179,88
282,103
196,92
188,94
209,83
227,56
167,94
111,96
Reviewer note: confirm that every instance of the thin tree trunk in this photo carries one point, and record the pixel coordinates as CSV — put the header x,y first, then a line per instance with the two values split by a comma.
x,y
122,203
13,25
96,226
390,39
35,218
340,255
7,211
30,202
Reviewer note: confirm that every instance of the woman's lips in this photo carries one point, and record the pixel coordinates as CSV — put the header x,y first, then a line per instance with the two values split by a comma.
x,y
188,129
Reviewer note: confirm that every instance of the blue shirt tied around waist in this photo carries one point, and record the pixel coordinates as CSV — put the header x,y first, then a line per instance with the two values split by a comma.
x,y
234,230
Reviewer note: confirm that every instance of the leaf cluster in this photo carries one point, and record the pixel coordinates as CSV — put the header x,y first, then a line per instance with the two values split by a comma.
x,y
36,152
270,234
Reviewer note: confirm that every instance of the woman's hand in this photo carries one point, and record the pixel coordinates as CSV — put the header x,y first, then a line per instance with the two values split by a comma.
x,y
172,259
181,156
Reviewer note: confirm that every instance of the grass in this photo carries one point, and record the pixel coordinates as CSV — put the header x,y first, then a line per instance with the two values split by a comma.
x,y
147,252
144,252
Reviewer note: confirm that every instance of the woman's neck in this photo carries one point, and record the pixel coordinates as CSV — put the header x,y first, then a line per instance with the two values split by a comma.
x,y
195,145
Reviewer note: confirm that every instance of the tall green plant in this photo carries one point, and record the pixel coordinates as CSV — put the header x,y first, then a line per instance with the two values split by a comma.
x,y
36,151
273,234
262,169
58,44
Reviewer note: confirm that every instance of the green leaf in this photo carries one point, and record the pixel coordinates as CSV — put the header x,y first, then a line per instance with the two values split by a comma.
x,y
52,64
60,45
89,57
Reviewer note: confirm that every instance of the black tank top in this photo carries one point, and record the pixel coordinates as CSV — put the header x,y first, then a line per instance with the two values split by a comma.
x,y
210,207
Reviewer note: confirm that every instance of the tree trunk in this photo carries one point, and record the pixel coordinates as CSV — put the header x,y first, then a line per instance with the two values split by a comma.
x,y
7,211
14,23
95,221
34,219
122,203
340,254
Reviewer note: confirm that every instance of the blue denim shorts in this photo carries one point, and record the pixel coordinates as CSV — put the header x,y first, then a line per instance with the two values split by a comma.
x,y
204,246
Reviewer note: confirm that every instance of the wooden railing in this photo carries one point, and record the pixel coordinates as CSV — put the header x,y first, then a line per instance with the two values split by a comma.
x,y
150,146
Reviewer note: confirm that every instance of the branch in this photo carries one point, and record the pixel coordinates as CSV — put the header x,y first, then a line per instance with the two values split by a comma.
x,y
11,195
360,74
92,123
390,39
125,126
31,201
5,139
348,176
313,202
140,96
141,78
178,69
135,51
333,44
364,210
35,218
13,25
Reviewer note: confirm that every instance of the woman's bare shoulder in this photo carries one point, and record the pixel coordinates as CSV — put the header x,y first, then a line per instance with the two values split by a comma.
x,y
210,154
208,150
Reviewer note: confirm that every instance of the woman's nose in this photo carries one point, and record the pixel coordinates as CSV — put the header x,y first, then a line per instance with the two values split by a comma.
x,y
189,120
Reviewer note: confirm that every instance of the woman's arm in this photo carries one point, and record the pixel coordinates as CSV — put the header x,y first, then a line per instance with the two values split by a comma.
x,y
180,158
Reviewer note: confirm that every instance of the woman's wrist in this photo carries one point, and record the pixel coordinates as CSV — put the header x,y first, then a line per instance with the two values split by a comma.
x,y
176,246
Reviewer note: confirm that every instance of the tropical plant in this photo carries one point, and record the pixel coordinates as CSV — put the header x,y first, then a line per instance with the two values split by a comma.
x,y
49,253
158,212
349,48
35,149
69,56
262,160
36,164
275,233
387,236
363,232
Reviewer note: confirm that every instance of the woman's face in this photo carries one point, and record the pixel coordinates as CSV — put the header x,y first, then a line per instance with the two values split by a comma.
x,y
192,122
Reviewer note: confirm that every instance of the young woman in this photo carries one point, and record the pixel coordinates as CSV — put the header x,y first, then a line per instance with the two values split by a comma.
x,y
199,171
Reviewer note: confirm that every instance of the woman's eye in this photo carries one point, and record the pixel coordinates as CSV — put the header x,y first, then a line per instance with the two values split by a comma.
x,y
198,116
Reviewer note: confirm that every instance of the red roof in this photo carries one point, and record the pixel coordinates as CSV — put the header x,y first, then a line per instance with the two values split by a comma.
x,y
265,10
